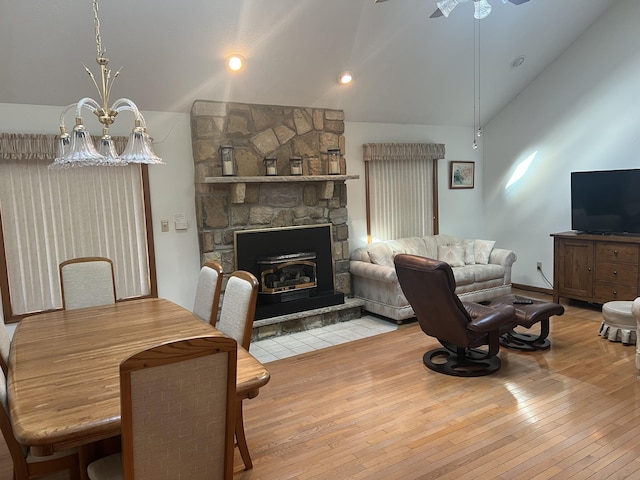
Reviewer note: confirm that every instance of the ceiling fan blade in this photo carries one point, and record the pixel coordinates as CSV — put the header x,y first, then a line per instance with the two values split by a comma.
x,y
447,6
436,14
518,2
379,1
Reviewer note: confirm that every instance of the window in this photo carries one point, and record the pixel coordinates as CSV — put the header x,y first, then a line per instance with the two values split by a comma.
x,y
49,216
401,189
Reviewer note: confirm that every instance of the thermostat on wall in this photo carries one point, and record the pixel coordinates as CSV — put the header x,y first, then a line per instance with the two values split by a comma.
x,y
180,221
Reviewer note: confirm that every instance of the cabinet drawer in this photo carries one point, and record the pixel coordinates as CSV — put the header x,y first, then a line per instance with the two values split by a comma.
x,y
616,252
617,273
607,291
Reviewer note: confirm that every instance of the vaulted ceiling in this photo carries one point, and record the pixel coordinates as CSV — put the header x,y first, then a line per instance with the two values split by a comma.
x,y
408,68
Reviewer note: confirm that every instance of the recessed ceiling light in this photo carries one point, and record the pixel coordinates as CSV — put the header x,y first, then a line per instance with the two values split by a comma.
x,y
516,62
345,78
235,62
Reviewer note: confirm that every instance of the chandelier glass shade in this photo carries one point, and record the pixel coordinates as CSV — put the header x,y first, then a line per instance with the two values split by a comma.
x,y
77,149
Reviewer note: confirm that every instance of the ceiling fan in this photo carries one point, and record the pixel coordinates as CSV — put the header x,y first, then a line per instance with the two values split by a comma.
x,y
482,7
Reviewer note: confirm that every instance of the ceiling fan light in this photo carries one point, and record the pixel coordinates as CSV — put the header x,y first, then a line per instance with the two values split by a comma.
x,y
482,9
446,6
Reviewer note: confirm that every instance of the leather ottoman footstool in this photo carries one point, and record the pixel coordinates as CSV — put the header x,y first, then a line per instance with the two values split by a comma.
x,y
527,315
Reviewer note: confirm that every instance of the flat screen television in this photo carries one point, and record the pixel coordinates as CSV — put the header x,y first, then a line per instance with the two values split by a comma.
x,y
606,201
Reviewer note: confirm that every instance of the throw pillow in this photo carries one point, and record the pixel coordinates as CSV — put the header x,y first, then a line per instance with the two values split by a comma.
x,y
452,254
483,250
469,252
381,254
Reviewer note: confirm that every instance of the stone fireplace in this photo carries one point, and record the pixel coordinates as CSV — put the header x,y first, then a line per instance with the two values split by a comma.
x,y
229,205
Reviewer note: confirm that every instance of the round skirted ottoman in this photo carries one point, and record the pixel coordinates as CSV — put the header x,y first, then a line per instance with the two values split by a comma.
x,y
618,323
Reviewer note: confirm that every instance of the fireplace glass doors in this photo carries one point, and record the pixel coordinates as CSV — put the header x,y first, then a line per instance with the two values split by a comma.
x,y
287,277
294,266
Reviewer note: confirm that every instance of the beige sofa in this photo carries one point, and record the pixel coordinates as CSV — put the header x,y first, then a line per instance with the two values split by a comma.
x,y
482,272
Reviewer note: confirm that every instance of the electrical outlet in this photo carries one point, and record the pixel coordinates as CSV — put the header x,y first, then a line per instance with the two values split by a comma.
x,y
539,265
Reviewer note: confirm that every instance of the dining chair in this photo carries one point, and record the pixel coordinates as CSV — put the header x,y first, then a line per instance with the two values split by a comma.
x,y
177,409
208,292
5,346
239,307
87,282
236,321
26,465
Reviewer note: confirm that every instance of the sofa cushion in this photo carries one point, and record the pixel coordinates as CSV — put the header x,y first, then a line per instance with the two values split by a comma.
x,y
482,249
464,275
431,246
410,245
483,273
452,254
469,252
381,254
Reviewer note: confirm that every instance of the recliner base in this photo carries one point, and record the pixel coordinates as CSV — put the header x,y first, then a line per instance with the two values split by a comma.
x,y
459,366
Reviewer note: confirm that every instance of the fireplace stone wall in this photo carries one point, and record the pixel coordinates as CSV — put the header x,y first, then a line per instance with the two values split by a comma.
x,y
255,132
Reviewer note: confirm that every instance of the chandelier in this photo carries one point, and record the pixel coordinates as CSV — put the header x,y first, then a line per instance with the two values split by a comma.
x,y
77,149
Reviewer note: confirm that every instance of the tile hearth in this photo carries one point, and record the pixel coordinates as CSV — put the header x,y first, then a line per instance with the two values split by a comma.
x,y
284,346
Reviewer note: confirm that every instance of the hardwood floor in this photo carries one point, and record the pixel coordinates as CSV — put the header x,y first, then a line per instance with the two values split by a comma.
x,y
370,409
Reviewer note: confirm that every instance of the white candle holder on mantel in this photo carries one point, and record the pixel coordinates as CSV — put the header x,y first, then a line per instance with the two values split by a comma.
x,y
334,161
295,166
227,160
270,166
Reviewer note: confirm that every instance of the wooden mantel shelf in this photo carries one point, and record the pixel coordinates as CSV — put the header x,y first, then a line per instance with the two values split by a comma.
x,y
281,179
239,184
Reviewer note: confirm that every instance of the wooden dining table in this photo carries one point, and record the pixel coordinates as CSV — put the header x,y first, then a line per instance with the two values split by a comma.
x,y
64,384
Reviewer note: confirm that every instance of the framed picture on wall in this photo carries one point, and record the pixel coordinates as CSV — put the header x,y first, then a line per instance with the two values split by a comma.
x,y
461,174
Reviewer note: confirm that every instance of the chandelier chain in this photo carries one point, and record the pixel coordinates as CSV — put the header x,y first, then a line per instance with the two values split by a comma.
x,y
96,22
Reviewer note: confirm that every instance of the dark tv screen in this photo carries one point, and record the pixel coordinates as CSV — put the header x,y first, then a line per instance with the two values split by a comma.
x,y
606,201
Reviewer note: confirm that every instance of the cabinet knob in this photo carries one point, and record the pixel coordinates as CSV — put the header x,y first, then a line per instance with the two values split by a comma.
x,y
588,269
615,293
615,252
615,272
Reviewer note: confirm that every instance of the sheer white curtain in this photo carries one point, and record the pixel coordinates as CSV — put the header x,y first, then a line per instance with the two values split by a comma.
x,y
52,215
401,187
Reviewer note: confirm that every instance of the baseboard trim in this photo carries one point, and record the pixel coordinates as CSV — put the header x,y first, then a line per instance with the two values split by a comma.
x,y
531,288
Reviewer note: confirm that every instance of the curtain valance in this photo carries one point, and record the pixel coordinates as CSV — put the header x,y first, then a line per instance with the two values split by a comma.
x,y
402,151
38,146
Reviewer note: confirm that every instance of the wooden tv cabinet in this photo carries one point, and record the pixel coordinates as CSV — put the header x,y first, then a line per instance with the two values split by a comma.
x,y
595,268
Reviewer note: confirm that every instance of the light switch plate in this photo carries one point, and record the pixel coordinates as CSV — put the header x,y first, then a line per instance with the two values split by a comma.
x,y
180,221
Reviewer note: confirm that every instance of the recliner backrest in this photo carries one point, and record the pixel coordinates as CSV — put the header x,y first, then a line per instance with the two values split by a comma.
x,y
429,286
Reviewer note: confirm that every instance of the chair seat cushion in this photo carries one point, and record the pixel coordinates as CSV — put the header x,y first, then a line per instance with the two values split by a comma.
x,y
106,468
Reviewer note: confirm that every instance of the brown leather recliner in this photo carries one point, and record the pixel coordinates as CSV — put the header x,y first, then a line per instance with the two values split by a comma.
x,y
461,327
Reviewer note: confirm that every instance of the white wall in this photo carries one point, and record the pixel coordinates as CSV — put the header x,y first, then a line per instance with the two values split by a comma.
x,y
172,187
581,113
460,211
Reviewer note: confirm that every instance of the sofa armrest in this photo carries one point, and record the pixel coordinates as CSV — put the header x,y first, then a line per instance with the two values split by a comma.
x,y
503,257
373,271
